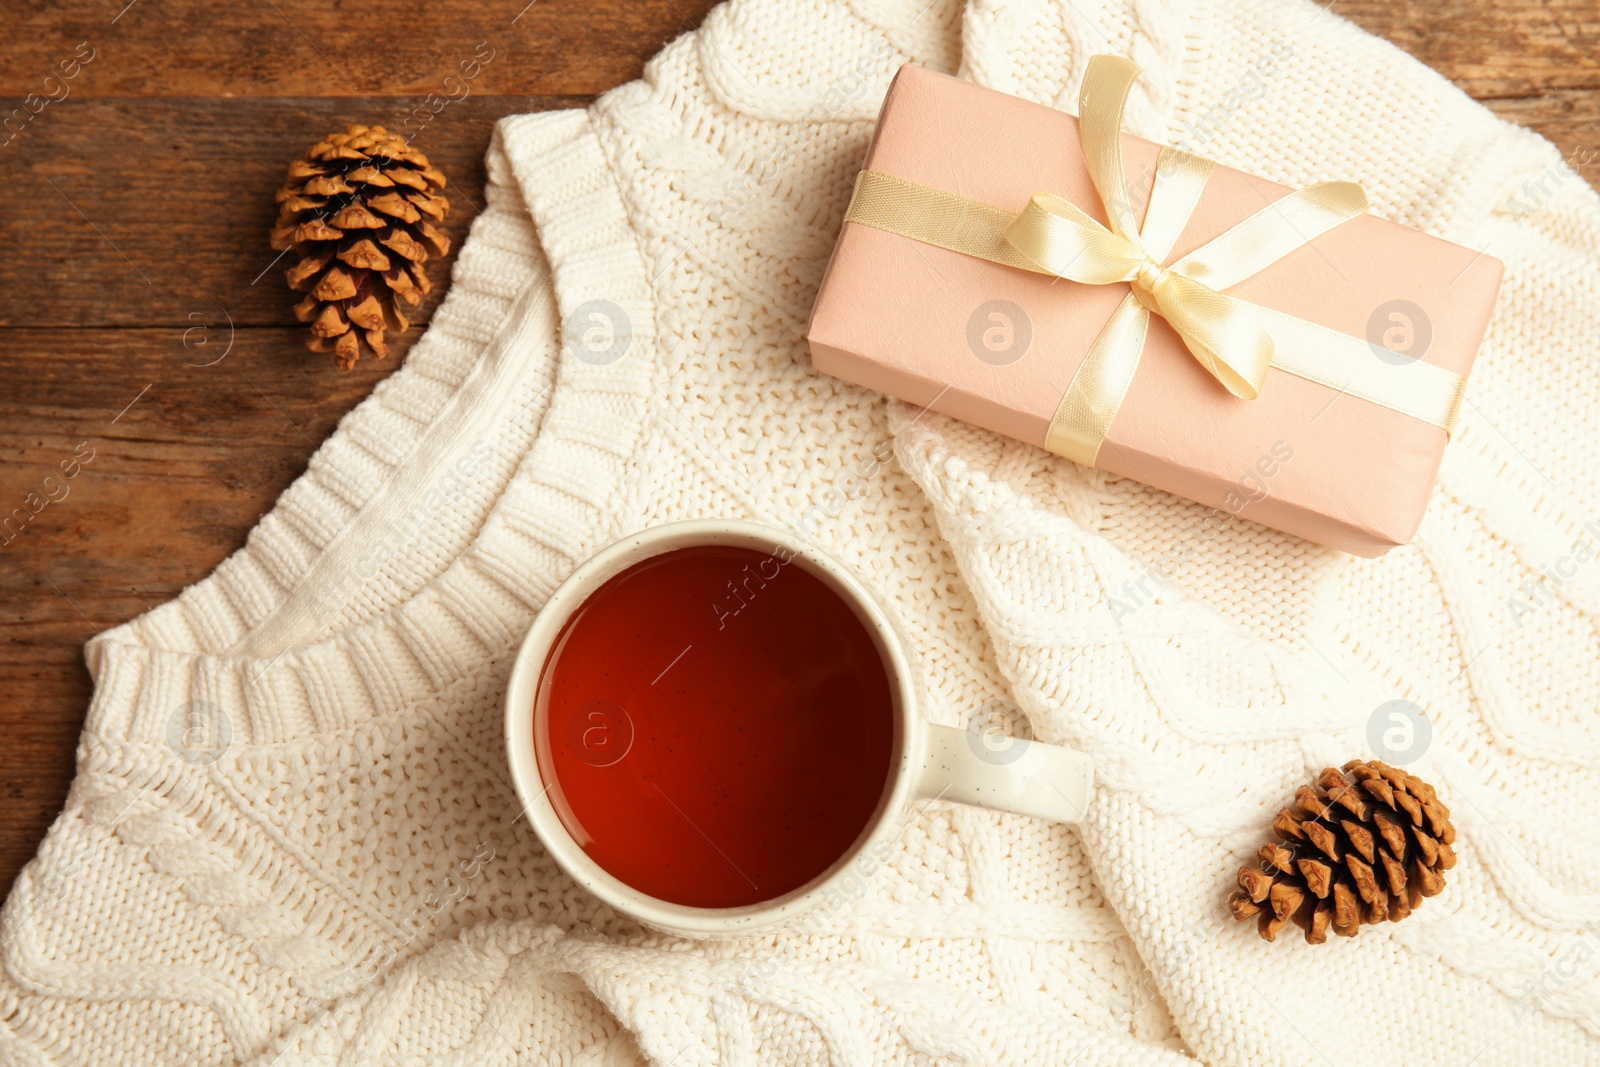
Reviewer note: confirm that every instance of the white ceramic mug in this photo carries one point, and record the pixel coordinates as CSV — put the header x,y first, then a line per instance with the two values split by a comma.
x,y
928,761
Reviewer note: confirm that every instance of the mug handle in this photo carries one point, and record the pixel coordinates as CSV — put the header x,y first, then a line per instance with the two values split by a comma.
x,y
1025,778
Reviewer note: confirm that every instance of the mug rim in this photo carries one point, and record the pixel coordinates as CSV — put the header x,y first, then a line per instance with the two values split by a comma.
x,y
533,792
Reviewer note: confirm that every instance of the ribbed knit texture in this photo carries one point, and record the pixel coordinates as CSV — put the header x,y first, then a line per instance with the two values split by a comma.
x,y
336,871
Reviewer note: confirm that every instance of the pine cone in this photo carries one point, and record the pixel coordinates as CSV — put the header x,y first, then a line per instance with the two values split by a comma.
x,y
360,209
1365,845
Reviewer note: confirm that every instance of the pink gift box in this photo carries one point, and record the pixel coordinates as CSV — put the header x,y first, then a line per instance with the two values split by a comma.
x,y
996,346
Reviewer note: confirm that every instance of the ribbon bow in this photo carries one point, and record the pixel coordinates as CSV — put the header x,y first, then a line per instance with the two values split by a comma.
x,y
1222,333
1236,342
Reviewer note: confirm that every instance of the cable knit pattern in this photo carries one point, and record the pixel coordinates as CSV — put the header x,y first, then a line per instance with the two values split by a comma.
x,y
292,840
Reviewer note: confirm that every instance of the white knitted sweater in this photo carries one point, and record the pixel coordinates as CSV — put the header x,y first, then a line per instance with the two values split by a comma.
x,y
292,839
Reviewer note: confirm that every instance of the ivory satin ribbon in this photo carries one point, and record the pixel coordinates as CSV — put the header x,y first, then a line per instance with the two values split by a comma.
x,y
1234,340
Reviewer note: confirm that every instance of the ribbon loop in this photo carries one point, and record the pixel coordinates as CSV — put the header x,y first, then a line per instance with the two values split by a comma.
x,y
1060,238
1101,100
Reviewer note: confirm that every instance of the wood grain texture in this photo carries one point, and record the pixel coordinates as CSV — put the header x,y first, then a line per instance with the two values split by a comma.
x,y
135,232
1493,49
181,228
1529,61
354,48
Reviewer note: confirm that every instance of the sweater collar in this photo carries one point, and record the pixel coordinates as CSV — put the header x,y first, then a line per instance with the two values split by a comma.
x,y
259,646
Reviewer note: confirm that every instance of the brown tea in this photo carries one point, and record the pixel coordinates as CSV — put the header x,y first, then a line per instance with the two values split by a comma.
x,y
716,725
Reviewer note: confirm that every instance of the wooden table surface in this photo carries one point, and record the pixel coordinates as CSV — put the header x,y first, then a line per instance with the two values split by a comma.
x,y
139,314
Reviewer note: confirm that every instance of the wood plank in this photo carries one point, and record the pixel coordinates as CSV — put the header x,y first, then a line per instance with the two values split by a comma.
x,y
353,48
1493,49
143,212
